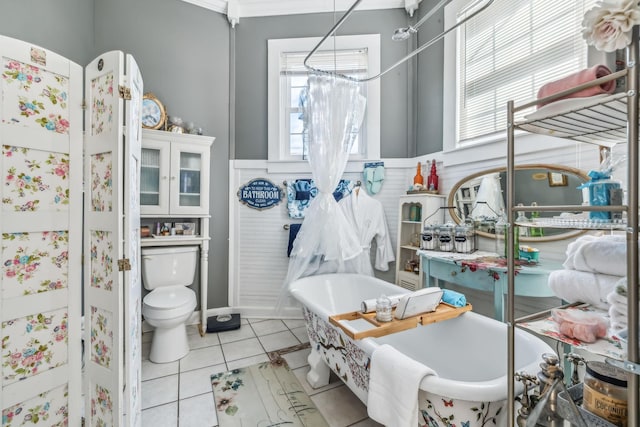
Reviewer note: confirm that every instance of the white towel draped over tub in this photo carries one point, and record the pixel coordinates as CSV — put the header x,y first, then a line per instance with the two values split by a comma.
x,y
394,382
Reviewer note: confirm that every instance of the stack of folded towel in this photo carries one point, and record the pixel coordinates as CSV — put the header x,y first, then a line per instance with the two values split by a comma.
x,y
618,304
594,265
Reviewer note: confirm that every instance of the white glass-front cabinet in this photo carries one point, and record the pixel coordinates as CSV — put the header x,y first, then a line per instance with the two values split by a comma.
x,y
174,175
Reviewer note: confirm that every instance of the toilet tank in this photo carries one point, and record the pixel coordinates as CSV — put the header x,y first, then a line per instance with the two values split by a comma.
x,y
168,266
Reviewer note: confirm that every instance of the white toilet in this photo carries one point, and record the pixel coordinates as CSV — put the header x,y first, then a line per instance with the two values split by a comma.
x,y
166,272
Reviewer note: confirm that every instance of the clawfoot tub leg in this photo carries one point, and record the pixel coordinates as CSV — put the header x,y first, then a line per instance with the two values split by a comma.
x,y
319,374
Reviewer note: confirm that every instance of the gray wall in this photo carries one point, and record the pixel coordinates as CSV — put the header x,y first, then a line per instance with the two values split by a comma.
x,y
429,83
63,26
251,74
183,53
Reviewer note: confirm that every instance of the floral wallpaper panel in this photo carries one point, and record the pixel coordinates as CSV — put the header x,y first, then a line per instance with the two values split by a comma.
x,y
102,105
102,259
34,97
33,344
101,407
34,262
101,336
50,408
34,180
101,182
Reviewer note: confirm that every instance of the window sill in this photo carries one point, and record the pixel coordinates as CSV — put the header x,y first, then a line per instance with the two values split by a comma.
x,y
302,166
494,146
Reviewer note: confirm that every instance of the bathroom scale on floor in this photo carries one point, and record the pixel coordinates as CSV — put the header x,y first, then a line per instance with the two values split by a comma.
x,y
223,322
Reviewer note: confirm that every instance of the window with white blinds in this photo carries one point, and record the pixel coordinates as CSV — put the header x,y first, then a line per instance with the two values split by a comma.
x,y
293,76
354,55
508,52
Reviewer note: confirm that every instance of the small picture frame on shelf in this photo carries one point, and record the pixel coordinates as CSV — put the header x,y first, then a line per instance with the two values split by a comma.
x,y
185,228
557,179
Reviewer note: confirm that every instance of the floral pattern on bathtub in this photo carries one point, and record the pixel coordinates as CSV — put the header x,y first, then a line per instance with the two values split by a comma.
x,y
34,262
101,336
33,344
436,411
34,97
102,260
340,353
102,106
101,407
34,180
101,182
50,408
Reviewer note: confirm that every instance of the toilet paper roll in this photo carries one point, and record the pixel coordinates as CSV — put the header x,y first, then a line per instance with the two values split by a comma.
x,y
369,305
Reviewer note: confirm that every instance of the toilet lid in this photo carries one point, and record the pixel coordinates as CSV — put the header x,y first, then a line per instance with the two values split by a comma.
x,y
169,298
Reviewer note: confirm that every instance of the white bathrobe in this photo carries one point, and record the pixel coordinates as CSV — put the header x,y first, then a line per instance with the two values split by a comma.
x,y
366,215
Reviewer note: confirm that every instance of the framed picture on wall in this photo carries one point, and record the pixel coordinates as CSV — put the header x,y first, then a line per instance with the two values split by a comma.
x,y
557,179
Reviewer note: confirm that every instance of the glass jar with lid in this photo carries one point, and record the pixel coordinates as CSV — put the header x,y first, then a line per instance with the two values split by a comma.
x,y
464,239
429,239
605,392
445,237
383,309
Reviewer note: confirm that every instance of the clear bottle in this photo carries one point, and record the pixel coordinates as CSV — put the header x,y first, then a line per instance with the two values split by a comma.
x,y
522,219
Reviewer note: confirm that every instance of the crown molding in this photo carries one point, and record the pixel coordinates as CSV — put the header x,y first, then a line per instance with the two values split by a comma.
x,y
236,9
254,8
219,6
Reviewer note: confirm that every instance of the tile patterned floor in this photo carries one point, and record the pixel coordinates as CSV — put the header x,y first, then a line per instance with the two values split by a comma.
x,y
178,394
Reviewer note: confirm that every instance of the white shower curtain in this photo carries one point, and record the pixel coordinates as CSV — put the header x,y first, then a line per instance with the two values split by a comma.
x,y
333,112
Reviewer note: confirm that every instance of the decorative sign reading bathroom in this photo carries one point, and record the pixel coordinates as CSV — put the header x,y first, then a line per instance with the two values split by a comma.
x,y
260,194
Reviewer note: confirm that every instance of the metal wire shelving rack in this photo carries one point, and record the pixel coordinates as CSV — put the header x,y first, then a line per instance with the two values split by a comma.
x,y
605,121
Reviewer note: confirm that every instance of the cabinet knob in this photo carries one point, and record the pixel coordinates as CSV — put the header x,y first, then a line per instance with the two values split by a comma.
x,y
454,273
164,177
173,178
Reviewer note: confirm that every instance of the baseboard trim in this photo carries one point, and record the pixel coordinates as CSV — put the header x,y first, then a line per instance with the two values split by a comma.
x,y
247,312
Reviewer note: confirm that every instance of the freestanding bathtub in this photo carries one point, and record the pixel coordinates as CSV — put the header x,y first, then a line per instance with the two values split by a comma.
x,y
468,353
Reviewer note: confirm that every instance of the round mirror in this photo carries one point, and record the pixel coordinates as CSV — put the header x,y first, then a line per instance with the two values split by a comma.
x,y
482,197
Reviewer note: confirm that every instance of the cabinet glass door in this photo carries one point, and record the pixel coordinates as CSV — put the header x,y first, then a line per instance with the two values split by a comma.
x,y
150,177
154,177
189,179
190,171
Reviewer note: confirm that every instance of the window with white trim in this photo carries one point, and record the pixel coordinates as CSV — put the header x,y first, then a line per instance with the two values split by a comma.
x,y
507,53
357,56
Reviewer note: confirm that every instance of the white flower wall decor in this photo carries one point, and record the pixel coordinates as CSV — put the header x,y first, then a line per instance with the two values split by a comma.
x,y
608,25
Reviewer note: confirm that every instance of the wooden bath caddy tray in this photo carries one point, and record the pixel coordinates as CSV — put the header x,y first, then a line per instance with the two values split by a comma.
x,y
444,311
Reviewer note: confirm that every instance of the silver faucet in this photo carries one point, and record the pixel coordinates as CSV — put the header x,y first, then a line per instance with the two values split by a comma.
x,y
576,360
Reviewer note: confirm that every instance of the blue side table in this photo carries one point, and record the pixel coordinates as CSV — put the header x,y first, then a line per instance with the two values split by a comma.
x,y
485,271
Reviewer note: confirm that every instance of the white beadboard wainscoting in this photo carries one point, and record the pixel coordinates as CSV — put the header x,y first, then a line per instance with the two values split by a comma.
x,y
258,241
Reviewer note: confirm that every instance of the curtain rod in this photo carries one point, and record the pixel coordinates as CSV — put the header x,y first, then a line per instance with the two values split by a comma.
x,y
409,56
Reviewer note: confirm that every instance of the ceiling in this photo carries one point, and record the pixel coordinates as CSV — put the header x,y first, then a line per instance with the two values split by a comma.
x,y
236,9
